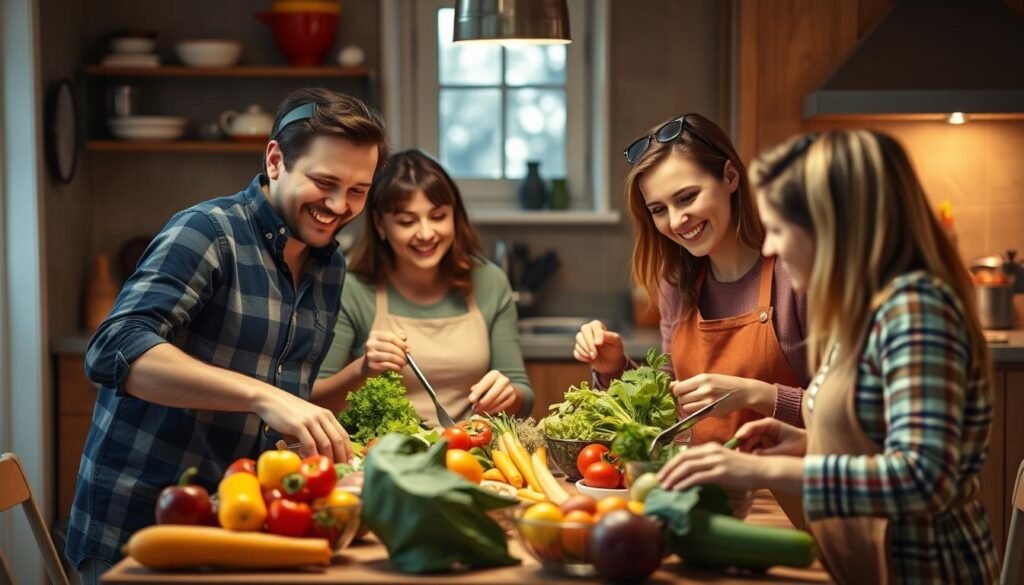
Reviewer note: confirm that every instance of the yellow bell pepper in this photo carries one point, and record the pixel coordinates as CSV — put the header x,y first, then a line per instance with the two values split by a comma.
x,y
241,503
273,465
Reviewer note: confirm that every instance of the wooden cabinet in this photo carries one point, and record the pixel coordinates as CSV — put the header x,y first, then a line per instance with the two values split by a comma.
x,y
76,396
550,380
1006,450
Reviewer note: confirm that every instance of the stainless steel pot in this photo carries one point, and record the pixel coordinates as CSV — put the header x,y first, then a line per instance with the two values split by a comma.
x,y
995,305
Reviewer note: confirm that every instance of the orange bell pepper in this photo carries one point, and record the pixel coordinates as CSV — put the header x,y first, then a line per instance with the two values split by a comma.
x,y
241,503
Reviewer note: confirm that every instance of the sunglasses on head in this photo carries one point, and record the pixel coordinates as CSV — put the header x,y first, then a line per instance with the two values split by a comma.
x,y
668,132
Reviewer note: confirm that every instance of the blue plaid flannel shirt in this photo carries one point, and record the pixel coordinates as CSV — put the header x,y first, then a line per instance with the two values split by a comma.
x,y
213,283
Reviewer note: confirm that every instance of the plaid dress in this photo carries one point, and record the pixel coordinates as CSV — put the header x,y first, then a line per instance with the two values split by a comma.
x,y
927,407
214,283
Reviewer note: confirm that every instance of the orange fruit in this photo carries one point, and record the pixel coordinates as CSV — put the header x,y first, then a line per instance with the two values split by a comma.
x,y
576,539
463,463
610,504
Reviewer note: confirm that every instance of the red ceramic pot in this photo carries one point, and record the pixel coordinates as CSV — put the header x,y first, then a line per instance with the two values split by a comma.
x,y
304,37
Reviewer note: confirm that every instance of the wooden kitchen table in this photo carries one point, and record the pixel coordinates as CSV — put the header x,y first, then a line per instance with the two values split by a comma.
x,y
367,563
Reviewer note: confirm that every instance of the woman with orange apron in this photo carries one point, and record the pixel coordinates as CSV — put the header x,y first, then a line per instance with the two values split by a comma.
x,y
898,415
729,318
421,287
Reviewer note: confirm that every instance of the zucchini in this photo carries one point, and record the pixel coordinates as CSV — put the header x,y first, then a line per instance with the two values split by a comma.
x,y
717,540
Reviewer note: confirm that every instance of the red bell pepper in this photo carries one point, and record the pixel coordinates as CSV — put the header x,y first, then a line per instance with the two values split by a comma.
x,y
185,503
314,479
288,518
243,465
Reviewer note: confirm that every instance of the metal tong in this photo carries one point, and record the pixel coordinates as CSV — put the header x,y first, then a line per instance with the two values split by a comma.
x,y
442,414
685,424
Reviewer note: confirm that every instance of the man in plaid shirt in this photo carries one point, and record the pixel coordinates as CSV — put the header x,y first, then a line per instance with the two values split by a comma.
x,y
213,345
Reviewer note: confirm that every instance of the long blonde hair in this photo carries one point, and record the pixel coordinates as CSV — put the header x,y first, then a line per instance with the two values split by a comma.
x,y
657,258
857,192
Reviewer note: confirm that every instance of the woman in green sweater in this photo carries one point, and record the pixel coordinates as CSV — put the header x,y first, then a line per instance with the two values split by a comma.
x,y
419,285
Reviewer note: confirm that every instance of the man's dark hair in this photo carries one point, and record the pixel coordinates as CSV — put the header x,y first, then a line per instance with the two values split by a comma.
x,y
333,114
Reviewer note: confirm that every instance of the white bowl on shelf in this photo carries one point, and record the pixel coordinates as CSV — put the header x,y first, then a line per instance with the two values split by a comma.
x,y
208,52
148,127
132,45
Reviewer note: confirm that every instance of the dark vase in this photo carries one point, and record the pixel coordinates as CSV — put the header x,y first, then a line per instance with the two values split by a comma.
x,y
532,191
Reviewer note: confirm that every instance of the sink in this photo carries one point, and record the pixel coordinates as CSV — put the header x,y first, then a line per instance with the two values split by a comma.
x,y
551,325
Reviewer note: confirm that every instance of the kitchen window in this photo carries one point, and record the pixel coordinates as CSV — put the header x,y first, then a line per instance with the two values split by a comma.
x,y
485,110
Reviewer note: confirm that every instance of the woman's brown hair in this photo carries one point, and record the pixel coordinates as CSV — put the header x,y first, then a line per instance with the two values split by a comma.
x,y
657,259
857,192
406,173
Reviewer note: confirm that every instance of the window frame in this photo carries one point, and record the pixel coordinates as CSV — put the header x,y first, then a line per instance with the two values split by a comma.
x,y
410,103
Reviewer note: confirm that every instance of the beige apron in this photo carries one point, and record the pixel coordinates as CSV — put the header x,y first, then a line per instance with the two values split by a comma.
x,y
453,352
853,549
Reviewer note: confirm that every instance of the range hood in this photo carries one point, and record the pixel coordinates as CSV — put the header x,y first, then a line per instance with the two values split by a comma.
x,y
929,59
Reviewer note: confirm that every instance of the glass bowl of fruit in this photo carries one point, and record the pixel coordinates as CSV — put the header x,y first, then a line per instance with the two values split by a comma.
x,y
336,518
558,537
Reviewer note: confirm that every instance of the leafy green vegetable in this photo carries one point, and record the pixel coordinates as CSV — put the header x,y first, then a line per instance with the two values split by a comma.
x,y
674,507
378,408
642,396
632,441
429,518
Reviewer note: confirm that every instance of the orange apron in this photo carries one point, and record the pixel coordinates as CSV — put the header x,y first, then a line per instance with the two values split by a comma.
x,y
745,346
453,352
853,549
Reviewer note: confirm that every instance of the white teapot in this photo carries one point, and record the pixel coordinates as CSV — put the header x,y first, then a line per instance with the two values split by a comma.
x,y
253,123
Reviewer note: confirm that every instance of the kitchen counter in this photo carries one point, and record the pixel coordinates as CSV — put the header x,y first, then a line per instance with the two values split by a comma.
x,y
558,346
367,562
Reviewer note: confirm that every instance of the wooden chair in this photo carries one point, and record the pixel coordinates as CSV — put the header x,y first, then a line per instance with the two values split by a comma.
x,y
14,490
1015,539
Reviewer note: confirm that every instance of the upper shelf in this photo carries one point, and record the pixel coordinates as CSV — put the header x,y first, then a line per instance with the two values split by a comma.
x,y
247,71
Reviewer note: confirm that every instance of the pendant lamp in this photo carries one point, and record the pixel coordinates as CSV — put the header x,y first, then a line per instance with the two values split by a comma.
x,y
509,21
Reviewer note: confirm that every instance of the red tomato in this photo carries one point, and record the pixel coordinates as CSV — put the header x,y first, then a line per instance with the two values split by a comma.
x,y
590,454
243,465
289,518
480,431
457,438
602,475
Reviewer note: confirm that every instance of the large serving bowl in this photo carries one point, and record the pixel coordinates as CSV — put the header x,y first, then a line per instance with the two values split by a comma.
x,y
560,547
303,31
601,493
208,52
563,453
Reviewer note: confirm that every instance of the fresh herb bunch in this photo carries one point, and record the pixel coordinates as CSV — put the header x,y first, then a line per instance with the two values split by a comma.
x,y
378,408
641,396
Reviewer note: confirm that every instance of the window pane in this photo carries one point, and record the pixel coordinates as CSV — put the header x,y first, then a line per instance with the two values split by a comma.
x,y
531,64
470,132
464,64
536,131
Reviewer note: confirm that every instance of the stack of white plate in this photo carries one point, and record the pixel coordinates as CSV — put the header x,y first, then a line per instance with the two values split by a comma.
x,y
147,127
132,51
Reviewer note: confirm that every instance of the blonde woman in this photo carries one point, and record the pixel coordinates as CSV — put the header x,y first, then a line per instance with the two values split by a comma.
x,y
729,318
898,415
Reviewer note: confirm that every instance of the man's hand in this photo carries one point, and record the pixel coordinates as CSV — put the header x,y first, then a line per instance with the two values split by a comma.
x,y
314,427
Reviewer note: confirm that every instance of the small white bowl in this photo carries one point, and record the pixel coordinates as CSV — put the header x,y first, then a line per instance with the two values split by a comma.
x,y
132,45
208,52
601,493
